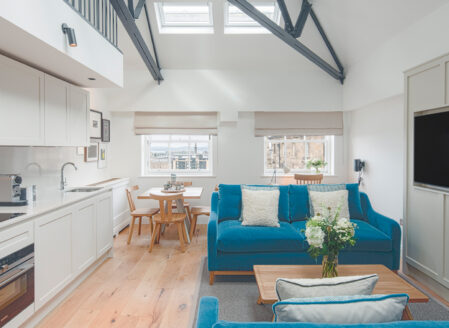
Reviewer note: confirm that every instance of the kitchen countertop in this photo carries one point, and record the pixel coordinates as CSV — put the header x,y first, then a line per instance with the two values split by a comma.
x,y
53,200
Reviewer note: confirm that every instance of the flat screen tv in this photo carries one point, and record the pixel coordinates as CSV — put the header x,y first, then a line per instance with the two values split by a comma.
x,y
431,150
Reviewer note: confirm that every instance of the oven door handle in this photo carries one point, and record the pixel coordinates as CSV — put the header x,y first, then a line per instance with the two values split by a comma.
x,y
16,272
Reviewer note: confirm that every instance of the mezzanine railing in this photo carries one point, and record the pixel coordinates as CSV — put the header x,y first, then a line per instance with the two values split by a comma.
x,y
99,14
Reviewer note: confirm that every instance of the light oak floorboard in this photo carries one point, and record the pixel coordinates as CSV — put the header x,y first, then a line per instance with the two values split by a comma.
x,y
136,288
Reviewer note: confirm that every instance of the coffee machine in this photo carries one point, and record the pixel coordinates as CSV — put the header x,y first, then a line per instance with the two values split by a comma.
x,y
10,190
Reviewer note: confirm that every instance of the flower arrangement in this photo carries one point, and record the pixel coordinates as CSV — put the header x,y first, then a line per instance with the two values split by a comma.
x,y
327,235
317,164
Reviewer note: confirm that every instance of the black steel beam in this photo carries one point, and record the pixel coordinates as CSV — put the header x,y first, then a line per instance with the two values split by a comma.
x,y
151,36
138,8
278,31
302,18
326,41
131,7
286,16
136,37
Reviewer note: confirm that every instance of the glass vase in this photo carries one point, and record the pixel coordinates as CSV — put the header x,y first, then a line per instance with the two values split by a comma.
x,y
329,266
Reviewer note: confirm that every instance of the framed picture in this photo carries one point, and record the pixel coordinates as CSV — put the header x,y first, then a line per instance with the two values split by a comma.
x,y
95,124
91,152
102,156
106,130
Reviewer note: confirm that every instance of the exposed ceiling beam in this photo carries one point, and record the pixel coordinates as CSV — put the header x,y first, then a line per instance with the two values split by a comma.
x,y
286,16
278,31
326,40
302,18
131,28
138,8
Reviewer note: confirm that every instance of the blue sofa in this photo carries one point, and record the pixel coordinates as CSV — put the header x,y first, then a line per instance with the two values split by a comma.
x,y
234,249
208,318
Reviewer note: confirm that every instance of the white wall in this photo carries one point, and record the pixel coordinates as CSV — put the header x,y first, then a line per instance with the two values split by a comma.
x,y
31,31
376,135
224,91
238,156
380,75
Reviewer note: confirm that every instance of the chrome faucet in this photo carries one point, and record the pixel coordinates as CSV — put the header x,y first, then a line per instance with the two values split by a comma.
x,y
63,182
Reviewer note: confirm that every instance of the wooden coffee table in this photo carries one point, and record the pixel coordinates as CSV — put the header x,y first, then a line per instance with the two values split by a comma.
x,y
389,282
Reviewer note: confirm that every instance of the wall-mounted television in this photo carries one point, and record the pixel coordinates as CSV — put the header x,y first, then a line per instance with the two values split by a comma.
x,y
431,149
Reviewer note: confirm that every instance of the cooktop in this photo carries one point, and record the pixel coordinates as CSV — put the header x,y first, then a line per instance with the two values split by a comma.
x,y
8,216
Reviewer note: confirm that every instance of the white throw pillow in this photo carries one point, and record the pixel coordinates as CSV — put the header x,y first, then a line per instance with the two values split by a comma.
x,y
339,286
260,207
355,309
321,201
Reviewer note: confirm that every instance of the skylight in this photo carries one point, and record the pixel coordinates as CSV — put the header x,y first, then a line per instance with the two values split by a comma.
x,y
194,17
237,22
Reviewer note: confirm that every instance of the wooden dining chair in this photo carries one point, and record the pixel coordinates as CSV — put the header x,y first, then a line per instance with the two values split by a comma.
x,y
309,178
138,213
197,211
167,217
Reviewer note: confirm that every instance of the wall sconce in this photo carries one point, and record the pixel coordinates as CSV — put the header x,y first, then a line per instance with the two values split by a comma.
x,y
70,32
359,166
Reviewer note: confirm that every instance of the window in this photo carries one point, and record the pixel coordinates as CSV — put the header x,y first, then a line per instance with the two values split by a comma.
x,y
237,22
195,17
181,154
294,152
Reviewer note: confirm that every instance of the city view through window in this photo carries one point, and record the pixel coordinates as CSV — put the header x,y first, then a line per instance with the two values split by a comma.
x,y
293,152
177,153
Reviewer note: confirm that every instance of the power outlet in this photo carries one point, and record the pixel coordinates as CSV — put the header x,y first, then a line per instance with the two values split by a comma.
x,y
401,222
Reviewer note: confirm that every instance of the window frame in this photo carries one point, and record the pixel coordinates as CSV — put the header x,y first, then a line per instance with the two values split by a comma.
x,y
146,151
231,28
186,27
329,156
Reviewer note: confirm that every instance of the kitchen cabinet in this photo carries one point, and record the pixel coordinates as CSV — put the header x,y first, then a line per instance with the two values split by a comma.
x,y
78,117
56,112
84,236
53,254
120,207
104,224
37,109
21,104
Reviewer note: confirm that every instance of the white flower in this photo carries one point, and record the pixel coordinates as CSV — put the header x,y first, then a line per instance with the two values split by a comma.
x,y
315,236
317,218
343,223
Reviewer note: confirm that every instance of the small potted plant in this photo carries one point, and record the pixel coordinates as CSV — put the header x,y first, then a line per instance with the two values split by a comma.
x,y
317,164
327,235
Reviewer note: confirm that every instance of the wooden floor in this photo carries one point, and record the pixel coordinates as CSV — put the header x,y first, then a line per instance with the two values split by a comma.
x,y
136,288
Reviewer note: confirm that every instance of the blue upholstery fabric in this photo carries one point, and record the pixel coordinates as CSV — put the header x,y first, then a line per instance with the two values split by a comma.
x,y
230,205
234,238
299,203
354,202
208,318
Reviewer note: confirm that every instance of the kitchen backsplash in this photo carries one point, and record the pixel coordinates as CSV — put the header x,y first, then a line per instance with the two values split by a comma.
x,y
42,166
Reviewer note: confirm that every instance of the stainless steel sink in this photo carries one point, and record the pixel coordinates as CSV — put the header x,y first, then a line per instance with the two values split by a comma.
x,y
82,189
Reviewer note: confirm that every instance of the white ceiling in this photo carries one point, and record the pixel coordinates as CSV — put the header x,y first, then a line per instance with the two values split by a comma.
x,y
355,28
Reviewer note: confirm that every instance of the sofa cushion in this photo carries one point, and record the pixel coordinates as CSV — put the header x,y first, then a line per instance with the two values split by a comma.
x,y
232,237
368,237
230,202
299,203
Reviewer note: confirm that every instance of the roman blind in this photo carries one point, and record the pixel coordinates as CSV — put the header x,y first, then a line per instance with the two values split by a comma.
x,y
298,123
175,123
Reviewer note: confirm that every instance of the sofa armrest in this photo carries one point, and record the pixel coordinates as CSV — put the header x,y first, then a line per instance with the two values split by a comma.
x,y
212,230
385,224
207,312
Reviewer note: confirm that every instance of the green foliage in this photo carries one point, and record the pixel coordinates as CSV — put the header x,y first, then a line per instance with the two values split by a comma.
x,y
317,164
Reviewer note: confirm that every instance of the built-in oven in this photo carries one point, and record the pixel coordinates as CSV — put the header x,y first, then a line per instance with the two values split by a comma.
x,y
16,283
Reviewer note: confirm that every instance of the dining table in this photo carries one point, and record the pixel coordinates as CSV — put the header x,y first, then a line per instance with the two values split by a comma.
x,y
187,193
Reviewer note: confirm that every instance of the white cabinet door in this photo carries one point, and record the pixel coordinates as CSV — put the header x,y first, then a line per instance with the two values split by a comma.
x,y
56,112
104,223
120,207
78,117
21,104
84,248
53,266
